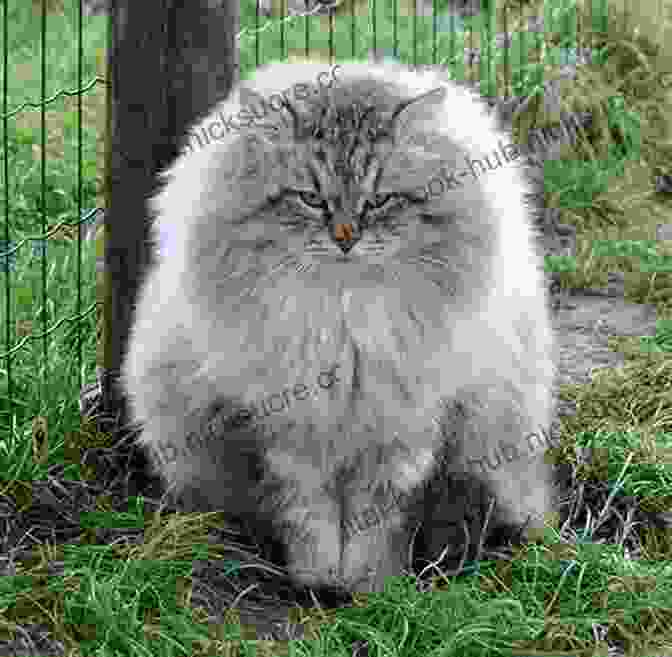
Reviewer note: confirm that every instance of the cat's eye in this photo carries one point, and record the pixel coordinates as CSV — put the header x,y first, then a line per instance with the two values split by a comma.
x,y
292,223
263,244
434,219
312,199
379,200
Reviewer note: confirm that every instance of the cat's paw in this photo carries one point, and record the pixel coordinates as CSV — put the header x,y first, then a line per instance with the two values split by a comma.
x,y
371,557
314,553
367,560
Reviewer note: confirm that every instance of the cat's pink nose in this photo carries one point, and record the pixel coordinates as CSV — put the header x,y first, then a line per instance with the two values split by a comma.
x,y
343,237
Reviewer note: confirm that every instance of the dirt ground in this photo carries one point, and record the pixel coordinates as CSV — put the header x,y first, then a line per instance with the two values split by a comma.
x,y
583,322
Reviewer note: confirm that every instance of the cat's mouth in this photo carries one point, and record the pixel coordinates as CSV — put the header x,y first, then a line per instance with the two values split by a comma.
x,y
363,258
357,254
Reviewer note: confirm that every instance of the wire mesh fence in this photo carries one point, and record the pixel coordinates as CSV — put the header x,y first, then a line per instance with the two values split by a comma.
x,y
463,39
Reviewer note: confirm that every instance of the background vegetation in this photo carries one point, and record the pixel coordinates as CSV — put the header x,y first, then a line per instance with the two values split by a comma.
x,y
134,598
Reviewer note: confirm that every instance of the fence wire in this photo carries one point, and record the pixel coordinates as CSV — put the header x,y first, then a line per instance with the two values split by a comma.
x,y
9,249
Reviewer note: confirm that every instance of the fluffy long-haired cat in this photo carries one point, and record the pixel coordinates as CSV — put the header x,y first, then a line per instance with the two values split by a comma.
x,y
342,329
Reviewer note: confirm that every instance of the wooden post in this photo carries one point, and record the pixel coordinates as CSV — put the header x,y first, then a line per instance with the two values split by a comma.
x,y
168,62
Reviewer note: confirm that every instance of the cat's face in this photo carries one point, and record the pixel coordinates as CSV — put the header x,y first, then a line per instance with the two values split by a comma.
x,y
337,225
342,198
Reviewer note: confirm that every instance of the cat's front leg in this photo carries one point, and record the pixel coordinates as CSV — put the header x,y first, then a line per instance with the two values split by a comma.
x,y
377,500
375,543
307,520
313,539
495,434
361,556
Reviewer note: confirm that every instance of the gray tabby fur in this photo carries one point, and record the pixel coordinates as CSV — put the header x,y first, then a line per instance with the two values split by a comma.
x,y
436,327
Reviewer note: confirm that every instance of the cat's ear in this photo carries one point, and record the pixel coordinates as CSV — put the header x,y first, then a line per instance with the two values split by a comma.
x,y
434,95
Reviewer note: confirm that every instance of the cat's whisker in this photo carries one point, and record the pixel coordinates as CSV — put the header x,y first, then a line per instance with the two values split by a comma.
x,y
285,262
429,260
418,324
237,274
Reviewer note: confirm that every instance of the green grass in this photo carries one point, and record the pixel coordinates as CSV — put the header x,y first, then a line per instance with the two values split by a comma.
x,y
41,296
111,598
123,601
